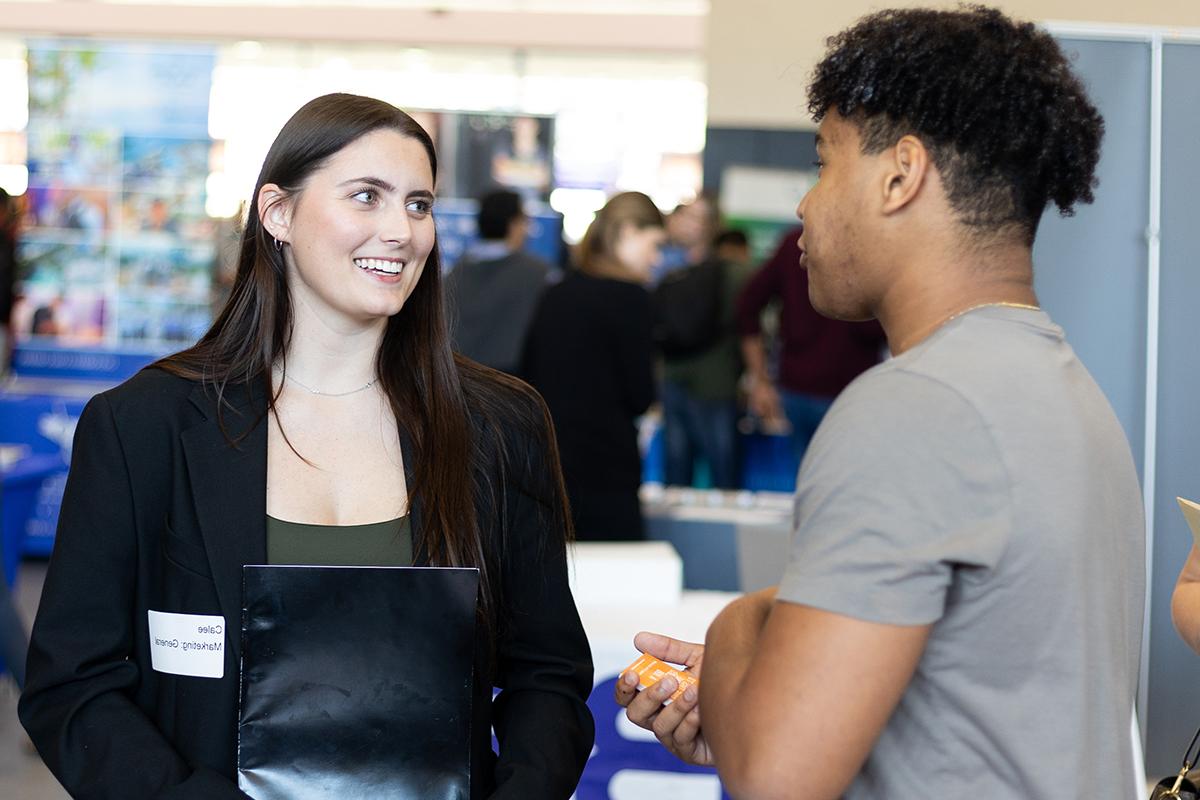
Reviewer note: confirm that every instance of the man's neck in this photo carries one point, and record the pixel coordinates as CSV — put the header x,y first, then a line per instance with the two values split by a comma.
x,y
516,237
933,294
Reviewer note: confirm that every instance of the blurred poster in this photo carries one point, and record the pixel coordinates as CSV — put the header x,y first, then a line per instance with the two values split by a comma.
x,y
143,88
164,291
503,150
117,247
481,152
78,209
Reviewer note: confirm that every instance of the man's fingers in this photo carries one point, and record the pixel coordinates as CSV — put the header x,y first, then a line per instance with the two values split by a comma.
x,y
643,709
668,649
766,406
667,726
626,688
687,730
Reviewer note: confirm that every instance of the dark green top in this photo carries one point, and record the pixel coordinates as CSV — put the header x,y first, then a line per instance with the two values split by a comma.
x,y
377,544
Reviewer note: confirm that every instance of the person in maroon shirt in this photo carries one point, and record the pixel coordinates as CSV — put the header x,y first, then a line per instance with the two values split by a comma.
x,y
818,356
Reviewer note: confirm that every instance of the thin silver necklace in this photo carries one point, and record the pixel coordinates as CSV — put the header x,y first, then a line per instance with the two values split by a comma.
x,y
311,390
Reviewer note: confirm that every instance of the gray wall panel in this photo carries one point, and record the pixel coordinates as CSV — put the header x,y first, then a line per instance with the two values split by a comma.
x,y
1174,687
1090,270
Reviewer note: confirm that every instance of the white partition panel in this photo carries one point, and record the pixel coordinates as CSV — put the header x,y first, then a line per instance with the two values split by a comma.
x,y
1173,712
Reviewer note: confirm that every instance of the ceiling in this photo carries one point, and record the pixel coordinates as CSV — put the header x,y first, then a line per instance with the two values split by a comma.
x,y
689,8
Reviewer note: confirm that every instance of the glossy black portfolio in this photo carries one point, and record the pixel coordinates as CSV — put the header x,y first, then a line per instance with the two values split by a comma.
x,y
356,682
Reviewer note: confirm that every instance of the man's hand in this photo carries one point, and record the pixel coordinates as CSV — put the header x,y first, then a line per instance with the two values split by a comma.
x,y
761,395
676,726
763,401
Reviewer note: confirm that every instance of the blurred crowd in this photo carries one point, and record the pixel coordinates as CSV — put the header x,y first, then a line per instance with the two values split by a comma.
x,y
658,322
662,325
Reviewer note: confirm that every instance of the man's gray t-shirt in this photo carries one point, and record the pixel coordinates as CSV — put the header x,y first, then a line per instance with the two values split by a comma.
x,y
981,483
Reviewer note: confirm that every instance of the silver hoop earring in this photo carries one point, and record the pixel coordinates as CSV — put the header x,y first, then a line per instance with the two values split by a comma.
x,y
278,245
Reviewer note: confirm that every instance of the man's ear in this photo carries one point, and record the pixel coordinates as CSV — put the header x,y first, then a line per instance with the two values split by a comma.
x,y
275,211
905,172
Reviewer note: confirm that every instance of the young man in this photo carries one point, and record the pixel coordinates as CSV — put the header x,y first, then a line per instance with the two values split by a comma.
x,y
961,615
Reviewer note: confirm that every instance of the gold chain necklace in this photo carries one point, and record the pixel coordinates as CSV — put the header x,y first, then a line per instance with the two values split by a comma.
x,y
998,304
968,310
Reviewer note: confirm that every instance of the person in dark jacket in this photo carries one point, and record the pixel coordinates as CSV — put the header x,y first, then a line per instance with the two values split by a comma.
x,y
323,419
8,273
13,640
590,353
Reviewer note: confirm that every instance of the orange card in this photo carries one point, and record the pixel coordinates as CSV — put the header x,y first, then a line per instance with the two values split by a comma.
x,y
651,670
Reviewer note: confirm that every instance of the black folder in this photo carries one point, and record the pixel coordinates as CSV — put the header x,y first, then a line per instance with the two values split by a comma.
x,y
356,682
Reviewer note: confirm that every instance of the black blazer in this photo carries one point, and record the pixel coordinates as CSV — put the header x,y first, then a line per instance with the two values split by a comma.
x,y
161,513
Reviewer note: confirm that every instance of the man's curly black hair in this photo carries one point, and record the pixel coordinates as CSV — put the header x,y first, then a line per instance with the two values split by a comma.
x,y
1008,125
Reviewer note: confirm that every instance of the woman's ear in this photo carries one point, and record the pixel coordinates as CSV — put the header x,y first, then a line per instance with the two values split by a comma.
x,y
274,211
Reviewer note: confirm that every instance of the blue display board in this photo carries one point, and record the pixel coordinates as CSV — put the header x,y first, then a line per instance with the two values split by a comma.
x,y
38,421
95,364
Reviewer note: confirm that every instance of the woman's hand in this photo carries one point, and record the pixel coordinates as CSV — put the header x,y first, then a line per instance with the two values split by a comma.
x,y
1185,600
676,726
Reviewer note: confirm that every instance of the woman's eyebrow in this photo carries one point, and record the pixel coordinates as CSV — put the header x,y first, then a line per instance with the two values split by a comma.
x,y
378,183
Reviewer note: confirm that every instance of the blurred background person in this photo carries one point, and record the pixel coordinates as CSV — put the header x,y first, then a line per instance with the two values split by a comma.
x,y
47,318
13,639
590,354
493,292
690,228
731,244
700,385
9,218
817,356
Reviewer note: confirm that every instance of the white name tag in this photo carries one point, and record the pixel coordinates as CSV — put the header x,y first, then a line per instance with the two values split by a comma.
x,y
187,644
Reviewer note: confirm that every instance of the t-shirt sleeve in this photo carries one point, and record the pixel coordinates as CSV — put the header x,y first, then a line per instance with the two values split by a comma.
x,y
902,490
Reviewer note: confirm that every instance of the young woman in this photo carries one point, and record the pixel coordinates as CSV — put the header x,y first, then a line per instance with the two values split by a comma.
x,y
322,419
590,353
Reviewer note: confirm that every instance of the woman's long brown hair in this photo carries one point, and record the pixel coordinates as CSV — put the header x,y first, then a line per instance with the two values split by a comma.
x,y
460,419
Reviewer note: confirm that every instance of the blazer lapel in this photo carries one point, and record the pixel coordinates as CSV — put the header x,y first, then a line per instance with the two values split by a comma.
x,y
229,489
